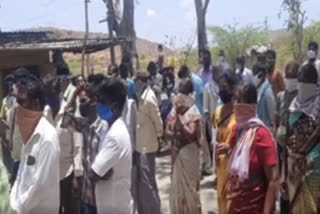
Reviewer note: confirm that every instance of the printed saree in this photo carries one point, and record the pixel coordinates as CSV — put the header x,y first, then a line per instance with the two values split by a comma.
x,y
185,179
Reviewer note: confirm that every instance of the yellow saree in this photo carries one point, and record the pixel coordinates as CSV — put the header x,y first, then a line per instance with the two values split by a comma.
x,y
224,122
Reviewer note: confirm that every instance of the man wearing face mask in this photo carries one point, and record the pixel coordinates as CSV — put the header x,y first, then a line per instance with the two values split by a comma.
x,y
94,130
124,75
37,186
241,70
206,74
206,71
275,78
15,141
113,70
281,124
156,80
7,104
302,178
149,130
266,100
312,54
10,99
210,104
70,144
222,61
114,157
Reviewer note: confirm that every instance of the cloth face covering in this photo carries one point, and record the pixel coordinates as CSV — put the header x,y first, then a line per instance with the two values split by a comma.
x,y
244,112
104,112
306,91
291,84
312,54
225,96
27,121
257,79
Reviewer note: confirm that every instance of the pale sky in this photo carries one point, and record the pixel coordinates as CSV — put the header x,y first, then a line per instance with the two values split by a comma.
x,y
154,18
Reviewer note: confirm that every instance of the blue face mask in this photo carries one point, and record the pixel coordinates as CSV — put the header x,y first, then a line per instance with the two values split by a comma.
x,y
104,112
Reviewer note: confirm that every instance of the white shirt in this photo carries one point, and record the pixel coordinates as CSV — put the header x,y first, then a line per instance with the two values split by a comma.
x,y
317,65
17,141
129,116
247,75
210,98
149,123
113,195
36,190
70,144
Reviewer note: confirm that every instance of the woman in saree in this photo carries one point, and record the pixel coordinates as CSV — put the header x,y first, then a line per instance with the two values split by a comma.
x,y
302,177
252,167
224,120
184,126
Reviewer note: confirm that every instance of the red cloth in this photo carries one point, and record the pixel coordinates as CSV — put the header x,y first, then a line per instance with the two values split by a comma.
x,y
263,154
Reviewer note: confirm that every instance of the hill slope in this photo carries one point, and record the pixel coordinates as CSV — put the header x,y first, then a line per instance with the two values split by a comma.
x,y
99,61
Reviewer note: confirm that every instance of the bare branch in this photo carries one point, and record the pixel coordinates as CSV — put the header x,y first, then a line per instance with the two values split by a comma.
x,y
206,4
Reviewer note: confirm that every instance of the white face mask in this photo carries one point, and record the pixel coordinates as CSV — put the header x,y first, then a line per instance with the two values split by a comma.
x,y
238,67
221,59
312,54
291,84
257,79
306,90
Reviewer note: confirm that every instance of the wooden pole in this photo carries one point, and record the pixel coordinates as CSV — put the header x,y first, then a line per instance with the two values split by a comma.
x,y
85,57
111,19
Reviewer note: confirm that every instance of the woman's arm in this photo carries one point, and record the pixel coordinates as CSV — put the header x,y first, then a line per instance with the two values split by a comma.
x,y
267,155
169,129
272,177
191,129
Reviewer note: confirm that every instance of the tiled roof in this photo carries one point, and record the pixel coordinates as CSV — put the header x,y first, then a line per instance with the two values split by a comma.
x,y
45,41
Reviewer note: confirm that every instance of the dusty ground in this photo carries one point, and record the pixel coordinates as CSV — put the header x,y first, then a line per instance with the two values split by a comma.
x,y
208,194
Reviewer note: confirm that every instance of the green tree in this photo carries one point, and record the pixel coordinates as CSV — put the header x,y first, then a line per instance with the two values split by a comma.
x,y
236,40
285,46
295,23
311,33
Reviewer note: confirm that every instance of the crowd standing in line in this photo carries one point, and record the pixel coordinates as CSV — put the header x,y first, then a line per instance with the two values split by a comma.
x,y
76,145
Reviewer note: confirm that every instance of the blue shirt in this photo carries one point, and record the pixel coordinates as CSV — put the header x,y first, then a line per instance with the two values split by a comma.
x,y
266,104
206,75
198,89
131,89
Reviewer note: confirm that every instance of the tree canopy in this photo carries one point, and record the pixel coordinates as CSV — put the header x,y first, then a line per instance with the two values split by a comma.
x,y
236,40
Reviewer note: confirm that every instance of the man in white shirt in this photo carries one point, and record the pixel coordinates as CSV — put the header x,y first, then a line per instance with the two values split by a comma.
x,y
70,148
222,61
149,130
156,80
36,190
242,71
129,116
111,169
313,48
210,103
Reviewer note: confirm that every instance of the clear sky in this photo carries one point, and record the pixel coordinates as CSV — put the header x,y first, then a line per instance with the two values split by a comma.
x,y
154,18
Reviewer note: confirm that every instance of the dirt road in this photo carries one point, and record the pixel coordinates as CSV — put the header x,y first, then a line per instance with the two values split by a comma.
x,y
208,194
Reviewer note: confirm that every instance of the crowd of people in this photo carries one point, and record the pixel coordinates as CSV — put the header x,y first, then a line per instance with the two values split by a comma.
x,y
76,145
